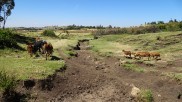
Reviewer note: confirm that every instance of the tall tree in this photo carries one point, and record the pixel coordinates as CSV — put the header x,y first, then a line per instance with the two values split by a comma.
x,y
5,10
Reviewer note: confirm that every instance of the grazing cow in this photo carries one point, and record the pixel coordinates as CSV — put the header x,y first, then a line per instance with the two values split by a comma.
x,y
142,54
127,53
155,54
38,46
30,49
47,49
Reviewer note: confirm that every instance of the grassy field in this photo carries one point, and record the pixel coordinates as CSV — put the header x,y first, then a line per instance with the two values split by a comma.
x,y
19,63
29,68
167,43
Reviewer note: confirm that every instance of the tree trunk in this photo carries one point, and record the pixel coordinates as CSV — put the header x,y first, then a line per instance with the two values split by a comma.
x,y
4,17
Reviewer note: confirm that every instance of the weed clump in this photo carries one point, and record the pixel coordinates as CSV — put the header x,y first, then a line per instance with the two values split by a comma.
x,y
49,33
145,96
7,86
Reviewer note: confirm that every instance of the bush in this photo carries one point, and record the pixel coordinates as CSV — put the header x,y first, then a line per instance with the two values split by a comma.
x,y
7,83
49,33
145,96
7,86
7,39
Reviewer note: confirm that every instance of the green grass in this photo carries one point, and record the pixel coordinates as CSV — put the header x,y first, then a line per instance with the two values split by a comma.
x,y
173,75
145,96
133,67
67,48
25,68
7,82
104,47
169,44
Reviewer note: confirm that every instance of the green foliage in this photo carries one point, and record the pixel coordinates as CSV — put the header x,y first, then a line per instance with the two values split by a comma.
x,y
145,96
49,33
5,10
7,82
7,39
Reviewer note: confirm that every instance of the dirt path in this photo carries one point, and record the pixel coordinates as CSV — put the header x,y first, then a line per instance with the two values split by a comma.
x,y
91,78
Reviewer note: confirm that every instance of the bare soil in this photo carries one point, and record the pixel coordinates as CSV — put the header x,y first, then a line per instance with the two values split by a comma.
x,y
92,78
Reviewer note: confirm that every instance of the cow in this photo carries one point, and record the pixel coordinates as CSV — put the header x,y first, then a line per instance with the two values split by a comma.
x,y
142,54
155,55
47,49
38,45
127,53
30,49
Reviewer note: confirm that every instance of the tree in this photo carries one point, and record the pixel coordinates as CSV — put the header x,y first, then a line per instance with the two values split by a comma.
x,y
153,23
110,26
5,10
160,22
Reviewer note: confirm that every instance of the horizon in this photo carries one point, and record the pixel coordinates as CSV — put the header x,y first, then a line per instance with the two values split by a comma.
x,y
31,13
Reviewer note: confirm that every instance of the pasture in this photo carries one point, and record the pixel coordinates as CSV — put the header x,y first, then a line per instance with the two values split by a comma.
x,y
18,62
90,70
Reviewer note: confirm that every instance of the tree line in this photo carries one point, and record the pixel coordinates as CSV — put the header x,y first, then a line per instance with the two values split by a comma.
x,y
150,27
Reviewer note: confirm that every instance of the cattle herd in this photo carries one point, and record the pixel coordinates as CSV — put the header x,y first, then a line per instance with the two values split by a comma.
x,y
46,48
41,46
141,54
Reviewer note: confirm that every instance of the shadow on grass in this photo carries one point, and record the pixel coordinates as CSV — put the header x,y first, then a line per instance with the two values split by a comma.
x,y
23,39
55,58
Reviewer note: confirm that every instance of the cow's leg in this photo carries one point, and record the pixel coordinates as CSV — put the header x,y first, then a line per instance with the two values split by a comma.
x,y
46,56
31,54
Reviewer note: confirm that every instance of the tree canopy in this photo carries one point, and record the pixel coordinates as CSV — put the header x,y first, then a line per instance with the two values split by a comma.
x,y
5,10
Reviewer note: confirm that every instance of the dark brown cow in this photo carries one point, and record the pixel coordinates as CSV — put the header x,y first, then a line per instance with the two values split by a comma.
x,y
47,49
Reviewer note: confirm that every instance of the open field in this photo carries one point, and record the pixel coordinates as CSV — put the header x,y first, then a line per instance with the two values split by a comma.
x,y
168,45
97,70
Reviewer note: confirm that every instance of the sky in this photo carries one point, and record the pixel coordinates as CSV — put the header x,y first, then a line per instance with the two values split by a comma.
x,y
122,13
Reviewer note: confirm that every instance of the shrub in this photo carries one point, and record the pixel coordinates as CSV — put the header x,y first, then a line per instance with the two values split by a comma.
x,y
7,83
7,86
145,96
49,33
7,39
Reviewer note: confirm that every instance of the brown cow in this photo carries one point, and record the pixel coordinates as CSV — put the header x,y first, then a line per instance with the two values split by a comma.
x,y
47,49
30,49
142,54
127,53
155,55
